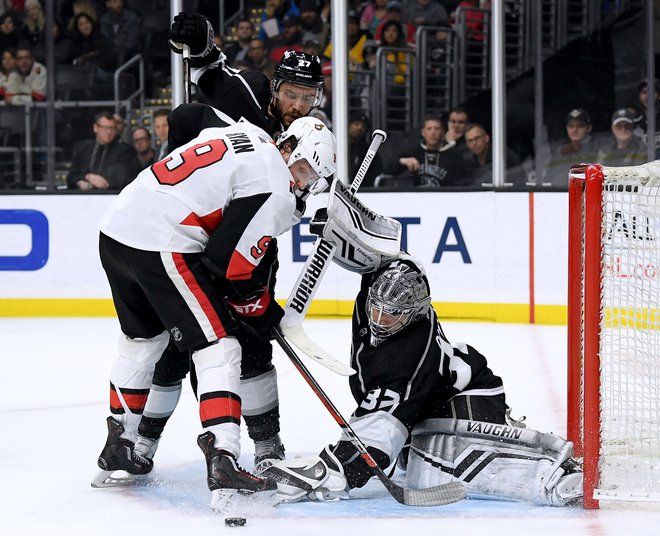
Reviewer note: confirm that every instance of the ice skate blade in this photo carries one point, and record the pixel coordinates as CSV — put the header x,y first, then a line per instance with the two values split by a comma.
x,y
235,502
115,479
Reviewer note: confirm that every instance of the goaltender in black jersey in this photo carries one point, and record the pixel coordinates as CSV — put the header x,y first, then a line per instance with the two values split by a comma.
x,y
434,405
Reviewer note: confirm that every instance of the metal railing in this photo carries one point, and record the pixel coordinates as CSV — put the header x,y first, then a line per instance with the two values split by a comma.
x,y
32,113
394,89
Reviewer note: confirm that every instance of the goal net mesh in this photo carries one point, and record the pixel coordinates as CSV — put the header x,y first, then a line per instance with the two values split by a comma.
x,y
630,331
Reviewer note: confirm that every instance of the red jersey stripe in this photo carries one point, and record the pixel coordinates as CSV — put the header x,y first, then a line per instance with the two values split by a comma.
x,y
239,267
202,299
209,222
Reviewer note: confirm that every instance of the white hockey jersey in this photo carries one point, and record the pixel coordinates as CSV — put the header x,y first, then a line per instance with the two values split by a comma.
x,y
176,204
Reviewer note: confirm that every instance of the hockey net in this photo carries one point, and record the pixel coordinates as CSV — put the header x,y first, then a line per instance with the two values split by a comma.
x,y
614,330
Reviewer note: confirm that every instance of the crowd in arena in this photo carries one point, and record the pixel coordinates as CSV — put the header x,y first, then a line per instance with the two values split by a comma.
x,y
449,148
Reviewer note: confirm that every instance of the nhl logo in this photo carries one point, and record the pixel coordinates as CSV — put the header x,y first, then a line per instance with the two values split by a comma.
x,y
176,334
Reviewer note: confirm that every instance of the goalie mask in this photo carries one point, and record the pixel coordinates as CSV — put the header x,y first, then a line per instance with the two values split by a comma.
x,y
309,139
397,297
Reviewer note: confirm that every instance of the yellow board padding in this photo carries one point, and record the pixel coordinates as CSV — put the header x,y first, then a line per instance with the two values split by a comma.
x,y
469,312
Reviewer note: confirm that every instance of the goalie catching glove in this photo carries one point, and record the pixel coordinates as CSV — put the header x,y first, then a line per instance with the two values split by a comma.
x,y
364,239
318,478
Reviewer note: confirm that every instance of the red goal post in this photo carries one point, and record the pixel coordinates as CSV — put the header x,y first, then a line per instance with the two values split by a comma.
x,y
613,416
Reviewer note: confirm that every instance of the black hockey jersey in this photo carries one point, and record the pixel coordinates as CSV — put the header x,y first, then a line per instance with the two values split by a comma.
x,y
407,378
239,94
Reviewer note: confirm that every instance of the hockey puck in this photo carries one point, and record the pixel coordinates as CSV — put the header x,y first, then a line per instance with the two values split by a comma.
x,y
235,521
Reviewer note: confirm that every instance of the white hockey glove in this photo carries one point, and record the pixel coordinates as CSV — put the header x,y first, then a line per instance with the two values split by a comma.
x,y
317,478
364,239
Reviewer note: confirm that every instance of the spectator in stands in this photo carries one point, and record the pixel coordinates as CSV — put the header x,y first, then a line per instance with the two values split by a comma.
x,y
28,81
272,18
372,15
479,161
311,45
397,65
640,124
6,68
62,41
474,18
162,131
34,23
356,40
102,163
580,148
289,39
88,7
431,163
258,58
122,27
146,154
369,54
120,126
359,141
458,120
312,23
394,14
91,47
626,149
237,50
9,36
425,13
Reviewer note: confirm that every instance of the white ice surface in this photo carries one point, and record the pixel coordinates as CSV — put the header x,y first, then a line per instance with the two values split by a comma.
x,y
53,404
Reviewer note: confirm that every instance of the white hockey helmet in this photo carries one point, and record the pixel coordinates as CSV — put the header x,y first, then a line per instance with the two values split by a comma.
x,y
312,140
399,295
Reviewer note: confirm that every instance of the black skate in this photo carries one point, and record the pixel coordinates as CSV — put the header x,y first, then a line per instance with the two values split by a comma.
x,y
267,453
118,454
227,480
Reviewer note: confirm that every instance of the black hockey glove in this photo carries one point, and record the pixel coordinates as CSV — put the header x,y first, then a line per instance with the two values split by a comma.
x,y
318,222
194,30
258,313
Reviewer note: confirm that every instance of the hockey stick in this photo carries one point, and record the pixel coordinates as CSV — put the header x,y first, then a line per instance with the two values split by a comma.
x,y
185,56
310,276
436,496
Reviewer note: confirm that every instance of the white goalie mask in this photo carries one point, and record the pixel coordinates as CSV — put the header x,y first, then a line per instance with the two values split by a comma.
x,y
398,296
312,141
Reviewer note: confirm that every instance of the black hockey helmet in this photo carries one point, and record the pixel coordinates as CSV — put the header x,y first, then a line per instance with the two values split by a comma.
x,y
299,68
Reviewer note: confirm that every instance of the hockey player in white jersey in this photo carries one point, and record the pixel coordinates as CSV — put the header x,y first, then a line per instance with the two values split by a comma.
x,y
179,246
434,405
296,88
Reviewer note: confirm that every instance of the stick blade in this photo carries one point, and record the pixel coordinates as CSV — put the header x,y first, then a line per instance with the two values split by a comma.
x,y
297,335
435,496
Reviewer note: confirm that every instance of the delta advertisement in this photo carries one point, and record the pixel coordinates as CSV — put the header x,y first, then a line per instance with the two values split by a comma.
x,y
492,256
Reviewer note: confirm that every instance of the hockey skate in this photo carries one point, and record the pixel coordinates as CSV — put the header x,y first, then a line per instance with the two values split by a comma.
x,y
267,453
118,455
233,488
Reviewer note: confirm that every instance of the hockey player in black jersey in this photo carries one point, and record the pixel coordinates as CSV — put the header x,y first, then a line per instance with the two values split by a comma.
x,y
415,389
272,105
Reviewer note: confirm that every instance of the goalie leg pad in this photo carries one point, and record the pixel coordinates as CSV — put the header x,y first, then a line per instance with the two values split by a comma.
x,y
318,478
494,461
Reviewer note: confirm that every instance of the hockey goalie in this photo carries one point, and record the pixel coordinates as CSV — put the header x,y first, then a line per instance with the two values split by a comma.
x,y
433,405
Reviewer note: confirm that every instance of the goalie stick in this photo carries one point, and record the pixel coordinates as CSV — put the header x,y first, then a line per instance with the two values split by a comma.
x,y
435,496
310,276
